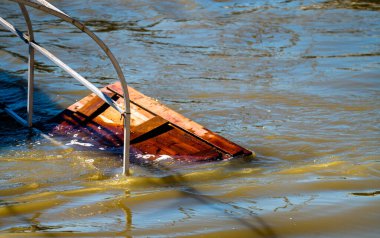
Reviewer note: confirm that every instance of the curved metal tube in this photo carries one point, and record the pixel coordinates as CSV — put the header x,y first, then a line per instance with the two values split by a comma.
x,y
30,100
61,64
50,9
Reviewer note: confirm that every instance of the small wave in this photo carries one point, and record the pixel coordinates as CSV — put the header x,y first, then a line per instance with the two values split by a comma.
x,y
341,56
367,194
75,142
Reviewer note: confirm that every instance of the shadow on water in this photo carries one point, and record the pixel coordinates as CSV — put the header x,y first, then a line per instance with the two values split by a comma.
x,y
258,226
13,91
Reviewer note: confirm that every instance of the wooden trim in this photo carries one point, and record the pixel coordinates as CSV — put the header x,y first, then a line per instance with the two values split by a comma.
x,y
146,127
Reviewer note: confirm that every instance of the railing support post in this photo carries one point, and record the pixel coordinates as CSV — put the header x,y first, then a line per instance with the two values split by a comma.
x,y
126,163
30,65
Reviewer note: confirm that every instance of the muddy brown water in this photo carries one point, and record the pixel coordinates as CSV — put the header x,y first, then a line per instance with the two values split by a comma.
x,y
298,82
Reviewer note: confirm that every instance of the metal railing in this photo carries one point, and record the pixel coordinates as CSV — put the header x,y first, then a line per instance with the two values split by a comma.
x,y
33,45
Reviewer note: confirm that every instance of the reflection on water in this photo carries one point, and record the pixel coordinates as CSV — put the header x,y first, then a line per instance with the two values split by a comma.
x,y
295,81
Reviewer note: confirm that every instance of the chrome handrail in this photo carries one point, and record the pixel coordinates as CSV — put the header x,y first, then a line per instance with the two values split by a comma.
x,y
29,39
30,66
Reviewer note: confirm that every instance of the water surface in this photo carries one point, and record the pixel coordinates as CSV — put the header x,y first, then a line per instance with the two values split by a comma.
x,y
298,82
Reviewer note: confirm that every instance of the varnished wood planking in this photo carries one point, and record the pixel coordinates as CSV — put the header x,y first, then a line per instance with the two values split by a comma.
x,y
155,128
181,121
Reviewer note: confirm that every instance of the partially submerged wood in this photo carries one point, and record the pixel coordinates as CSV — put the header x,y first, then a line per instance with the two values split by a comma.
x,y
155,129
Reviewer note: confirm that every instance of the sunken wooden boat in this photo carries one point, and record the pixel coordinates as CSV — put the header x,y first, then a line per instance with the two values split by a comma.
x,y
156,130
96,120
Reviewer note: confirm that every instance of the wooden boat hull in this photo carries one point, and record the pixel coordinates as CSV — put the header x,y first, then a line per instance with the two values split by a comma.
x,y
156,130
